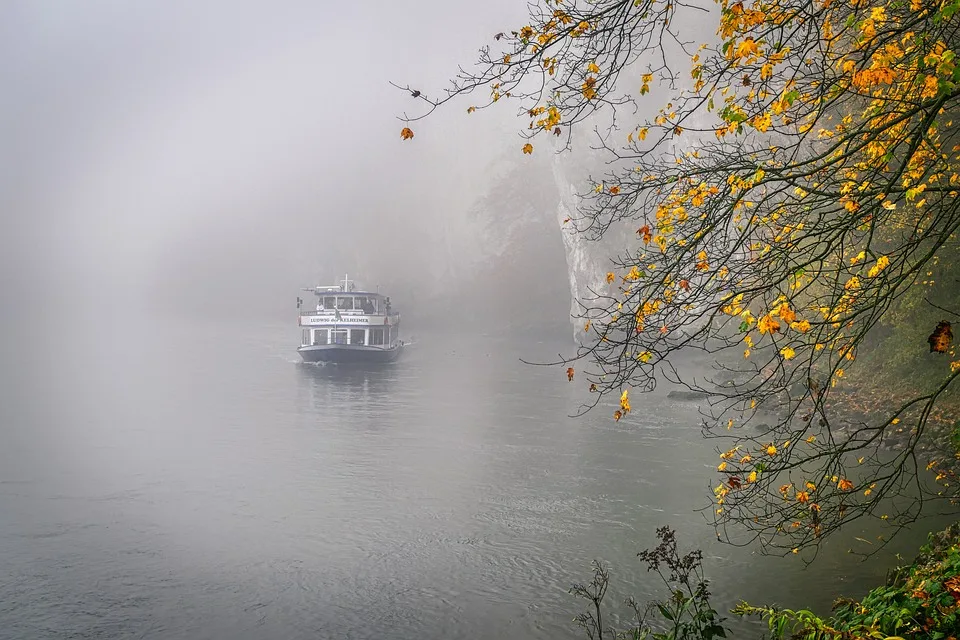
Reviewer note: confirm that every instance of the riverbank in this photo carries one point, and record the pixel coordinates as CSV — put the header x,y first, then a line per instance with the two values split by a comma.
x,y
920,601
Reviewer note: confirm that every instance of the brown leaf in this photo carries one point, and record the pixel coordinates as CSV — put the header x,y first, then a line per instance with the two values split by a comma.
x,y
941,338
569,374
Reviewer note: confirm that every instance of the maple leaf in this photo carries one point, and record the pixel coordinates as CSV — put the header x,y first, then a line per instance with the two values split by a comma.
x,y
645,232
614,190
593,68
611,276
406,133
734,482
788,353
786,313
768,324
617,415
772,450
844,485
570,373
685,285
528,148
941,338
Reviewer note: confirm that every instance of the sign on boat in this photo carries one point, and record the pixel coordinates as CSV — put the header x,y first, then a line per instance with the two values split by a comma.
x,y
347,325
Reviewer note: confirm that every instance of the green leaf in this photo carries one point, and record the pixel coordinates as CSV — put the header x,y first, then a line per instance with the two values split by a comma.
x,y
666,613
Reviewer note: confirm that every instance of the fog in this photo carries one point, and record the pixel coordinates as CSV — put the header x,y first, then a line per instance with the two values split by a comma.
x,y
200,156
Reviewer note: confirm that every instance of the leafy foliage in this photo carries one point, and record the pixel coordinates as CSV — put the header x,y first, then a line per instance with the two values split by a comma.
x,y
922,601
799,180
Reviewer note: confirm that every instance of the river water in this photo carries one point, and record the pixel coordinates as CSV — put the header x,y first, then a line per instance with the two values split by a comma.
x,y
193,481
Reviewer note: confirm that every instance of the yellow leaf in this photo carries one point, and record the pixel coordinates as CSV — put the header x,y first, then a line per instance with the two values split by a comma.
x,y
772,450
802,326
787,353
722,466
471,109
528,148
593,68
611,276
752,477
882,263
625,401
506,59
406,133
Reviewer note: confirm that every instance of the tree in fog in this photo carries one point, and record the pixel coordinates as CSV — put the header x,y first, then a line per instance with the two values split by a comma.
x,y
796,186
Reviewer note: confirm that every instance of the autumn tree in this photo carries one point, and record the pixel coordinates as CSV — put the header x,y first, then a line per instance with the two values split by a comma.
x,y
798,180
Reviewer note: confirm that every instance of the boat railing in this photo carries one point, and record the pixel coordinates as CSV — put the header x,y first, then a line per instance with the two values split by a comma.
x,y
345,313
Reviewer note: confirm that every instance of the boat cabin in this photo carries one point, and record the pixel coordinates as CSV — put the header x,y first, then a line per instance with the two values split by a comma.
x,y
349,318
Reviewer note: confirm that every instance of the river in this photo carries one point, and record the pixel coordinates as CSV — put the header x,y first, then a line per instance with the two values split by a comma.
x,y
190,480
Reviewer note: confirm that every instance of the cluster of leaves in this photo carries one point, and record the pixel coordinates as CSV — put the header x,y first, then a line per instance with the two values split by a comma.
x,y
921,602
801,177
685,615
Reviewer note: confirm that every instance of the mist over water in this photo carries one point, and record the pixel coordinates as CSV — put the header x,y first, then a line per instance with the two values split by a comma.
x,y
204,484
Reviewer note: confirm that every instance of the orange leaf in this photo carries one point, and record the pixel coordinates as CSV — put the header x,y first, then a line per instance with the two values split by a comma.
x,y
645,232
406,133
528,148
569,374
941,338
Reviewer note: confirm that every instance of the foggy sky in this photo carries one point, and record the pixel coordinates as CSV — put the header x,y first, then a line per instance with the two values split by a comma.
x,y
226,153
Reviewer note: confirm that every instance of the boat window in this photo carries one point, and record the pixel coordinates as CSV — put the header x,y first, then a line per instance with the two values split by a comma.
x,y
339,336
329,302
376,335
344,303
306,337
319,336
356,336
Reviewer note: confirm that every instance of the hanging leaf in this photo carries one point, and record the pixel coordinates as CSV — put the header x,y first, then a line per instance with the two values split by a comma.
x,y
406,133
941,338
570,373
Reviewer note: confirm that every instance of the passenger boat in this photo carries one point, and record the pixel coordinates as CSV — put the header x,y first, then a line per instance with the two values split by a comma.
x,y
348,326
